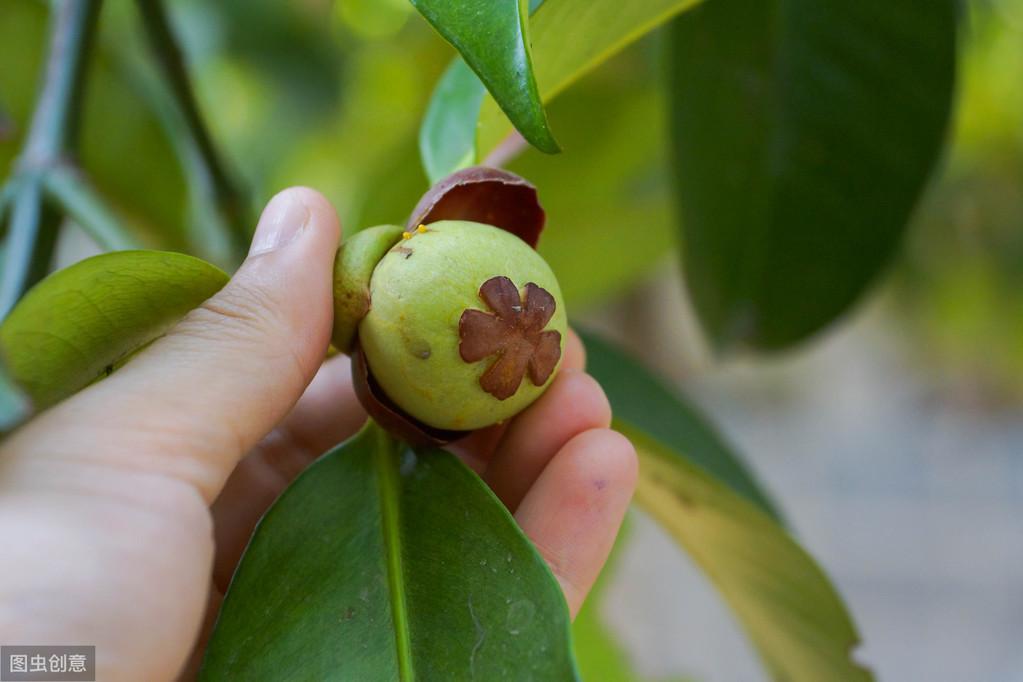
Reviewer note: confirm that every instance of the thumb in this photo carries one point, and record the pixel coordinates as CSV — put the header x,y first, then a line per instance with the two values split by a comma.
x,y
198,398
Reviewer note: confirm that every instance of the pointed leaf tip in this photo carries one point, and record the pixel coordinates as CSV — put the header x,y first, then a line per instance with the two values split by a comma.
x,y
493,39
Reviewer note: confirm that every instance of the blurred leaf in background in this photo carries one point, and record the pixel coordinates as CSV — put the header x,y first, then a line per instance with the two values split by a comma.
x,y
267,71
364,156
803,135
22,31
349,126
122,145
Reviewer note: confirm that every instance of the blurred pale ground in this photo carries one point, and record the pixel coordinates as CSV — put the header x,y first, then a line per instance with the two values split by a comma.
x,y
894,442
911,500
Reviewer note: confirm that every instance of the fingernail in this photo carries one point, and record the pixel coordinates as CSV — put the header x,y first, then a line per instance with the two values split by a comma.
x,y
282,221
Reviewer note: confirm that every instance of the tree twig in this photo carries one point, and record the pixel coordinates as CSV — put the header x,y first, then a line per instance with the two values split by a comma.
x,y
207,232
227,195
32,231
68,189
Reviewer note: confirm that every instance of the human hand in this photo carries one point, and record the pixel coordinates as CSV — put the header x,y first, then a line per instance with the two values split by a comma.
x,y
124,510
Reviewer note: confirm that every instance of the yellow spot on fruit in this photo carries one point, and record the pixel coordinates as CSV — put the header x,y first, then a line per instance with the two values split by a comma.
x,y
406,235
421,229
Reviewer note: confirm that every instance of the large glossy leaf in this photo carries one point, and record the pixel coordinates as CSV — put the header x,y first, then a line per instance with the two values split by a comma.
x,y
493,38
644,404
804,133
571,37
378,563
700,493
447,135
77,324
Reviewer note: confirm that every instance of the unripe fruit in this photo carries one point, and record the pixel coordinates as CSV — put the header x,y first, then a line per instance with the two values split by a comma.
x,y
454,323
465,326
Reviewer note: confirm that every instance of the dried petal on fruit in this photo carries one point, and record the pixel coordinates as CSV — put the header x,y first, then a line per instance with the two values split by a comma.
x,y
513,333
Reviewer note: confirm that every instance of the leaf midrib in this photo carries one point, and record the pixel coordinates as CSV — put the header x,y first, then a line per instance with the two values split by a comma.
x,y
387,476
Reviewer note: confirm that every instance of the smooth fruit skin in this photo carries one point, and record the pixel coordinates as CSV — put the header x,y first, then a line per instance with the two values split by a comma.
x,y
419,290
356,259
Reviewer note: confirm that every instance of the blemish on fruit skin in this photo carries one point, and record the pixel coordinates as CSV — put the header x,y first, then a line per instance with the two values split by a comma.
x,y
420,350
600,484
418,347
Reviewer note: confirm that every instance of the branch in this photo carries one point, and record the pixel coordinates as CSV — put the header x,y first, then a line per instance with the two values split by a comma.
x,y
227,195
68,189
32,231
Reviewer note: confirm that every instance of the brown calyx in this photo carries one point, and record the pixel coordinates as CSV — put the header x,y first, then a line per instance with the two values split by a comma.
x,y
481,194
388,415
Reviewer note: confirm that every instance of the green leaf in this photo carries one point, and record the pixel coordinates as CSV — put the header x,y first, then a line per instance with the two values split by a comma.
x,y
493,38
78,324
571,37
804,133
642,404
447,138
378,563
705,498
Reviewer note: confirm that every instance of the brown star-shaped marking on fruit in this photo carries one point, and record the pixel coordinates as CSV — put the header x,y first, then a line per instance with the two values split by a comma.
x,y
514,333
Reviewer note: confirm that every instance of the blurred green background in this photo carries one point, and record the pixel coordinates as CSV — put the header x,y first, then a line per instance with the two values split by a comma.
x,y
330,95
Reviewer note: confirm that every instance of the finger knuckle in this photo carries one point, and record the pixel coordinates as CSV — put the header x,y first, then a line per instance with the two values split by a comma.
x,y
238,310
